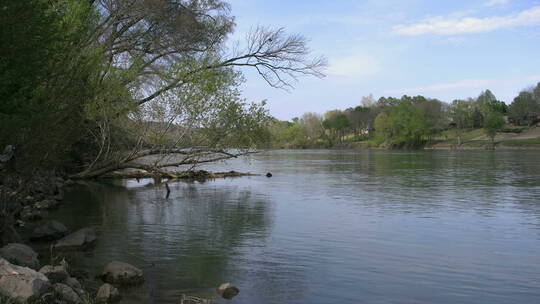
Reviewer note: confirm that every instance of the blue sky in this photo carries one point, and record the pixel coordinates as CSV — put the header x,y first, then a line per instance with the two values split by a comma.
x,y
436,48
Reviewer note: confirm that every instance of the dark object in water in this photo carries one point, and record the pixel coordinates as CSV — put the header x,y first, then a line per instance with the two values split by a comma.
x,y
228,291
268,174
168,190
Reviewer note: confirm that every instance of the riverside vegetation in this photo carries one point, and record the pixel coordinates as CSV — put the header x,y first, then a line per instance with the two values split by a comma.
x,y
88,88
417,122
91,88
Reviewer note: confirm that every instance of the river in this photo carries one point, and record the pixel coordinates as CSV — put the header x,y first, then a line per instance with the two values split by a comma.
x,y
328,227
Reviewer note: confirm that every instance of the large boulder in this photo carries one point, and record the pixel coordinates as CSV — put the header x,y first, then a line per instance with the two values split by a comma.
x,y
227,290
20,254
76,286
8,234
22,284
50,231
66,293
81,239
108,294
55,274
122,273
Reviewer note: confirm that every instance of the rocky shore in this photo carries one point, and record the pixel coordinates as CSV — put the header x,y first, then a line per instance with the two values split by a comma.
x,y
27,223
22,278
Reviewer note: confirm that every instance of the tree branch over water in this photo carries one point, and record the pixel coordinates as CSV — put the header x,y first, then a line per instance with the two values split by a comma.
x,y
130,77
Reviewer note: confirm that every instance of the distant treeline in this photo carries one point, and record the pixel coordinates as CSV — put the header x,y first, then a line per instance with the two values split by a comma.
x,y
406,122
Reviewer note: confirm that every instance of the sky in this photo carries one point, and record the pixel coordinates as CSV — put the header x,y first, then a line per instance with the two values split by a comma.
x,y
445,49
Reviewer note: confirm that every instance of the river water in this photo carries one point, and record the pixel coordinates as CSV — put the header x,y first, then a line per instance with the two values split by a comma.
x,y
328,227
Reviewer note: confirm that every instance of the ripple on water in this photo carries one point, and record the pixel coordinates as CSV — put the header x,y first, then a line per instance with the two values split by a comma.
x,y
329,227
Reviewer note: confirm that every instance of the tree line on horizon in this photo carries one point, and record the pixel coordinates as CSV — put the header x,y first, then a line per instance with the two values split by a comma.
x,y
406,122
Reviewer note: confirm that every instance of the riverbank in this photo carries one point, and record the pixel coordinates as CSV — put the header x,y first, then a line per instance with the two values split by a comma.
x,y
35,244
512,138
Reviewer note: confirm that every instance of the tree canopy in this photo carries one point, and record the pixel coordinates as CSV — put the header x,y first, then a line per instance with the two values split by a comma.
x,y
128,80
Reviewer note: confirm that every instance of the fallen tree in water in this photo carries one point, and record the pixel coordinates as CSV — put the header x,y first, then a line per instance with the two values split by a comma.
x,y
187,175
154,163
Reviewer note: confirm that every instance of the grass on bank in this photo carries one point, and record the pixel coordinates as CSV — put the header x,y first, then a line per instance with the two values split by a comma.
x,y
530,142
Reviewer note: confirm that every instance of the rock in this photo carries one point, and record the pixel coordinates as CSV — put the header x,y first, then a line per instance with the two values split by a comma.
x,y
28,200
20,254
122,273
75,285
30,214
55,274
268,174
22,284
66,293
47,204
50,231
80,239
227,290
108,294
9,235
9,152
80,274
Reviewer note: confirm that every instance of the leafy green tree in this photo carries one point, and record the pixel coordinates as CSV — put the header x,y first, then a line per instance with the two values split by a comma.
x,y
46,79
461,115
494,122
382,128
404,125
525,105
486,97
130,79
341,123
477,117
361,119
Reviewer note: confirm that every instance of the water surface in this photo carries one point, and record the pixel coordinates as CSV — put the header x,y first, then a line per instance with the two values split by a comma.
x,y
329,227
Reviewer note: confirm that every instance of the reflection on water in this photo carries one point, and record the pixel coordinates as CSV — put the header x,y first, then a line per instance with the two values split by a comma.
x,y
329,227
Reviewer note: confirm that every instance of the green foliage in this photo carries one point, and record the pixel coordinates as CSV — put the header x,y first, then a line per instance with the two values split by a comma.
x,y
341,122
70,97
494,122
289,135
522,142
461,114
405,125
526,104
45,78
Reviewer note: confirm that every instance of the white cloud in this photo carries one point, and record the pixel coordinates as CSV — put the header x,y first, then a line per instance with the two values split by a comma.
x,y
353,66
469,25
496,2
